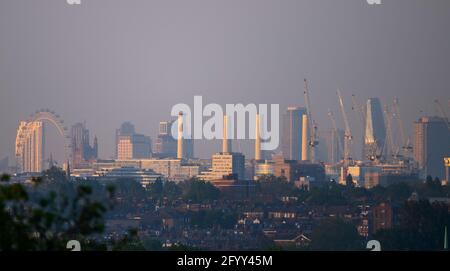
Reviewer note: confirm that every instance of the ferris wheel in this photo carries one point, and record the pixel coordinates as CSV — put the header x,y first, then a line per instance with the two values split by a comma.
x,y
45,115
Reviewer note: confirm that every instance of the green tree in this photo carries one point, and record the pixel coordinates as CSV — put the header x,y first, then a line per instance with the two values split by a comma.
x,y
332,194
421,227
199,191
164,189
129,242
335,235
276,186
213,218
49,222
349,180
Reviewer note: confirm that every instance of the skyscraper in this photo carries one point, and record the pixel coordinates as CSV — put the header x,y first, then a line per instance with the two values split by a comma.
x,y
82,151
130,145
127,128
292,133
431,145
166,145
30,146
375,130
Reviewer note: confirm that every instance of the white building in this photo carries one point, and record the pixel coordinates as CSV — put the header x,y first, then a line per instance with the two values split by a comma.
x,y
225,164
172,169
30,146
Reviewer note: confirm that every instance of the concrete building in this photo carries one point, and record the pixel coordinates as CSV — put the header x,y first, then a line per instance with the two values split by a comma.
x,y
30,146
171,169
133,147
143,176
130,145
293,170
365,176
291,145
431,145
225,164
264,169
332,172
382,217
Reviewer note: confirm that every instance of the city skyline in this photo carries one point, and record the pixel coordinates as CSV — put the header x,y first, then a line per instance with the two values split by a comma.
x,y
142,86
291,140
247,126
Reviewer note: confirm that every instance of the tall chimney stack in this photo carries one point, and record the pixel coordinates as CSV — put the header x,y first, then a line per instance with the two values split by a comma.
x,y
258,138
305,137
180,136
226,145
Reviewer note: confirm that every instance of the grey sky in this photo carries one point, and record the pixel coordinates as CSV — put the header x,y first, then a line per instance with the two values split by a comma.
x,y
108,61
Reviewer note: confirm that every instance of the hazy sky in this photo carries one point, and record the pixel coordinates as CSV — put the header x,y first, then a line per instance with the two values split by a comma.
x,y
109,61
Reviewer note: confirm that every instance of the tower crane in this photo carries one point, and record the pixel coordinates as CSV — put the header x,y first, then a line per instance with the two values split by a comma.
x,y
339,147
360,110
313,136
406,142
348,138
442,112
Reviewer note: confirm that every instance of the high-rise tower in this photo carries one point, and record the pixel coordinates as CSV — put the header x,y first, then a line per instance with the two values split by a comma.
x,y
431,145
292,133
375,130
30,146
130,145
82,151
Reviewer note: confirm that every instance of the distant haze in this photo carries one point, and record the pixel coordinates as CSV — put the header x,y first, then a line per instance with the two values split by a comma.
x,y
110,61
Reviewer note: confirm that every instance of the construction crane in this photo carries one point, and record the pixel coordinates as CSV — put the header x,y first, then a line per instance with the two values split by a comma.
x,y
406,142
359,110
389,142
371,153
336,136
313,136
442,112
348,138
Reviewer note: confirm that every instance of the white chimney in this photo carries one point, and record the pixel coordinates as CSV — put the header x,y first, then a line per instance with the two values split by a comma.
x,y
226,145
180,136
305,137
258,138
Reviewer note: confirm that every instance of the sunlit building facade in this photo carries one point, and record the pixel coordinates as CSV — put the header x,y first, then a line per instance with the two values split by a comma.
x,y
375,130
130,145
225,164
30,146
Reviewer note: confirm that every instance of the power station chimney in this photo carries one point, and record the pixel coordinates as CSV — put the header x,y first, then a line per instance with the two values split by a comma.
x,y
305,137
258,138
180,136
226,145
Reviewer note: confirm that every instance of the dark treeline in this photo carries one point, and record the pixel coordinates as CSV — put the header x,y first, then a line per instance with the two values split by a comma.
x,y
46,214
